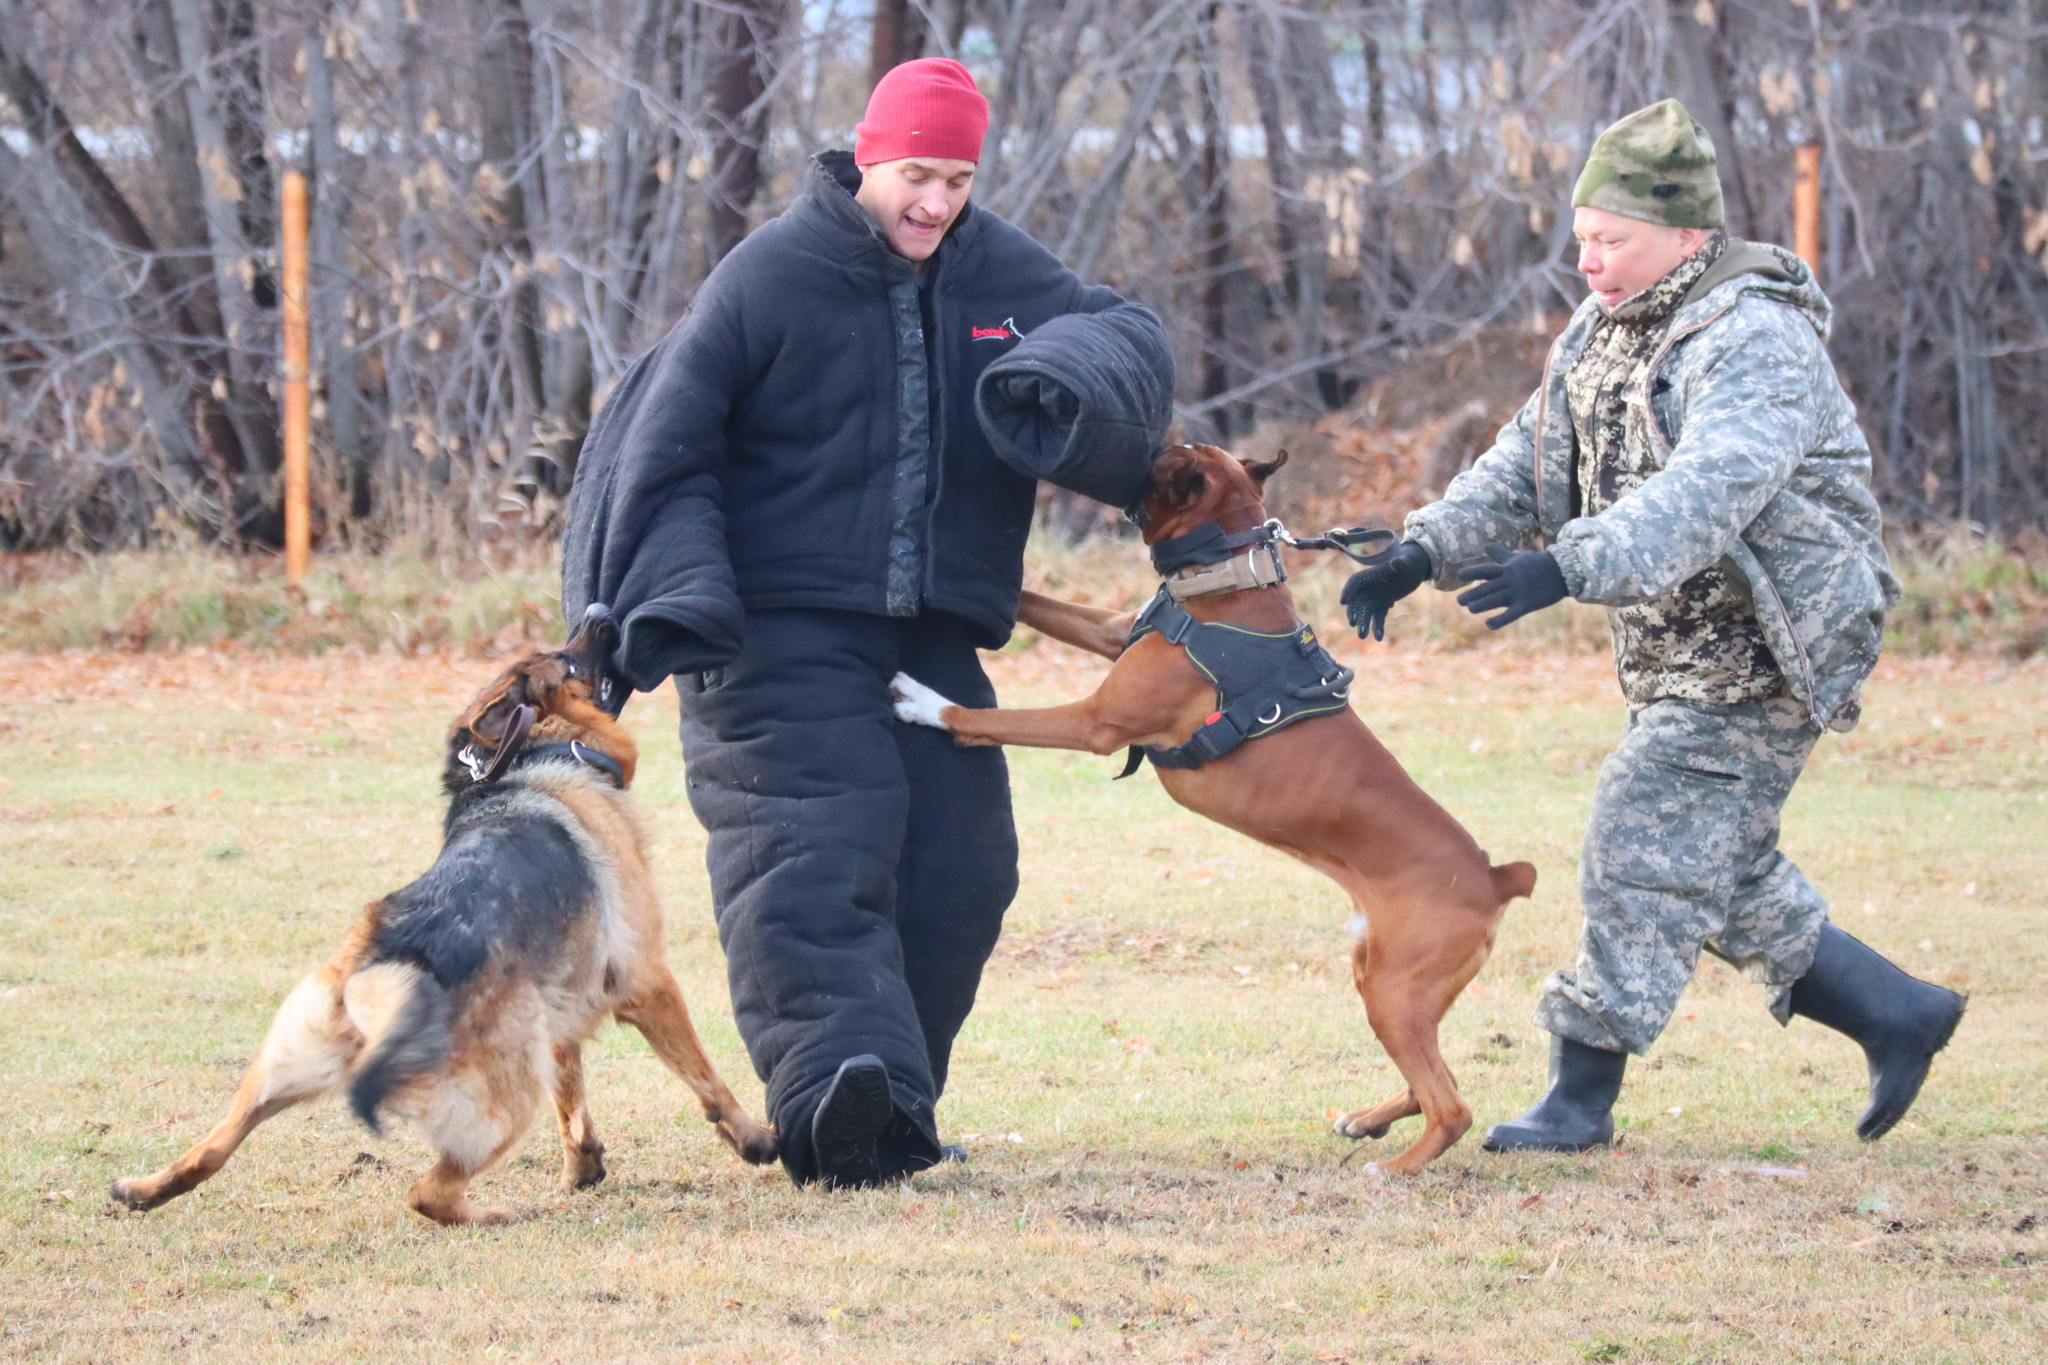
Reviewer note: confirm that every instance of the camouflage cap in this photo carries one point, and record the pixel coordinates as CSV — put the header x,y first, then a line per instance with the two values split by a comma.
x,y
1657,165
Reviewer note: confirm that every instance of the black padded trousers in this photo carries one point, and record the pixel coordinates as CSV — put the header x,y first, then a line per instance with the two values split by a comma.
x,y
860,867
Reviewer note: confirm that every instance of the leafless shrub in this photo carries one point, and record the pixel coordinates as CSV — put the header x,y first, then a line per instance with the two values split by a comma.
x,y
515,197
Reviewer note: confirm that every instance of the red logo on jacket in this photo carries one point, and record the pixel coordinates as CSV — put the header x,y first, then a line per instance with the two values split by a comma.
x,y
1007,331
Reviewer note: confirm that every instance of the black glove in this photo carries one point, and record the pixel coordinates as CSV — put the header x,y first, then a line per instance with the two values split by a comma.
x,y
1370,592
1525,581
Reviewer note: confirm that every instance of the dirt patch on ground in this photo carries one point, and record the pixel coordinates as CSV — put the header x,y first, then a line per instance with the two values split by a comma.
x,y
1407,434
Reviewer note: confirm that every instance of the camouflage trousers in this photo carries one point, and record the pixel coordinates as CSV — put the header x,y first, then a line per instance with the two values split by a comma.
x,y
1682,854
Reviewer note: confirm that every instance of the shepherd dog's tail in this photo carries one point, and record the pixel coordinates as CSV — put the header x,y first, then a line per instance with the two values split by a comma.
x,y
403,1015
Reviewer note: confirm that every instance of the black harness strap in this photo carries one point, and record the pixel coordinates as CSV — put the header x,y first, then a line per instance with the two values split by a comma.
x,y
1264,680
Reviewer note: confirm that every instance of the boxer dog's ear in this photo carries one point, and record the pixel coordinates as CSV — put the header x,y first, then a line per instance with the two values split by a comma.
x,y
1261,472
1184,485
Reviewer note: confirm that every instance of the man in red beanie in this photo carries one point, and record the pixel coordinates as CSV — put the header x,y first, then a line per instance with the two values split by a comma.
x,y
824,475
917,150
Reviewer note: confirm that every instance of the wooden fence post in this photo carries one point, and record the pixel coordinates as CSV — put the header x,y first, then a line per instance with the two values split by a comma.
x,y
298,408
1806,205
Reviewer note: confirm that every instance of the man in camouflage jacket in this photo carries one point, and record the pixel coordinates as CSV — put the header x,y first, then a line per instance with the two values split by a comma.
x,y
1691,462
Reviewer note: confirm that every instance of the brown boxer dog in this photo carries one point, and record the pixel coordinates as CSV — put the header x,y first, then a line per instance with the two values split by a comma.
x,y
1322,790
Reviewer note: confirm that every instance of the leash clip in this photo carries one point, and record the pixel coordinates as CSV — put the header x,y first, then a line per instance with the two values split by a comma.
x,y
472,760
1340,539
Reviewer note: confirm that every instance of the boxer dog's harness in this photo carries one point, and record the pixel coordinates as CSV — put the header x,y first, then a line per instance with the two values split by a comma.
x,y
1264,680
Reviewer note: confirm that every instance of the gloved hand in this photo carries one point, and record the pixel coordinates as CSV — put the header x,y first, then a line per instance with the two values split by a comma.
x,y
1370,592
1525,581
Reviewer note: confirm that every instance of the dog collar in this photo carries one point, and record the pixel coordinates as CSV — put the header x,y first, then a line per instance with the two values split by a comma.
x,y
1205,561
1187,561
512,753
1209,543
580,753
1249,570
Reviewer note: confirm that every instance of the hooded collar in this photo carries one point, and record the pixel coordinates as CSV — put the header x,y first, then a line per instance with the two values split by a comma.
x,y
826,205
1766,269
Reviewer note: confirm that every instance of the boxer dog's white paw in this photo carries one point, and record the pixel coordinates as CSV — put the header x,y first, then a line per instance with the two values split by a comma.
x,y
916,703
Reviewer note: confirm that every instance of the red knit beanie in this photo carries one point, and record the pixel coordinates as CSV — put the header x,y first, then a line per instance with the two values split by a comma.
x,y
929,107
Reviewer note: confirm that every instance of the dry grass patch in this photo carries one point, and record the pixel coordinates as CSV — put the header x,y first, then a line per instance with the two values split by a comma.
x,y
1963,595
1143,1087
488,599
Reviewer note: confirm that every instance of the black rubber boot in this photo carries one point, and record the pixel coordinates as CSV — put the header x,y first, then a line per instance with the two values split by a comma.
x,y
1899,1020
849,1123
1577,1114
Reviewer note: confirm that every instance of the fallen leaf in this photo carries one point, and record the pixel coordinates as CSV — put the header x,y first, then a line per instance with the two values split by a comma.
x,y
1136,1045
1745,1047
1332,1112
1532,1201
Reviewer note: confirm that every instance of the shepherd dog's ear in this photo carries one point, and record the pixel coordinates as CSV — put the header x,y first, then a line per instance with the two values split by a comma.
x,y
491,714
1261,472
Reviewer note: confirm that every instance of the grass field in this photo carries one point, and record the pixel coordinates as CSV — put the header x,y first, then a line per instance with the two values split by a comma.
x,y
1144,1087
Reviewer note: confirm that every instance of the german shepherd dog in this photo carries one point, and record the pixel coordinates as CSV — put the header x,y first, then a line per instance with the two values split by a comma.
x,y
454,1002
